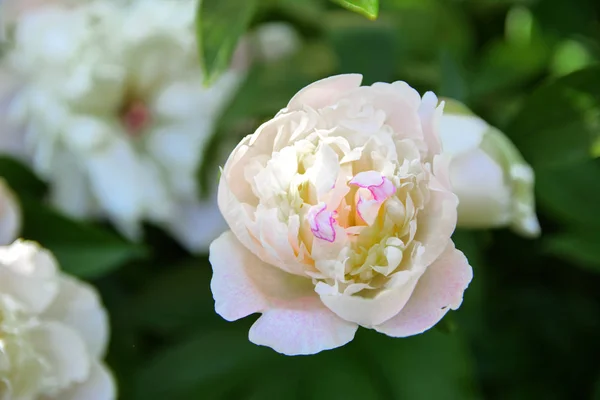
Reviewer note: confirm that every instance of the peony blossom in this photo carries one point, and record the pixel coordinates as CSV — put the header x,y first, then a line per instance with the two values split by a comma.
x,y
341,212
10,215
488,174
53,331
107,98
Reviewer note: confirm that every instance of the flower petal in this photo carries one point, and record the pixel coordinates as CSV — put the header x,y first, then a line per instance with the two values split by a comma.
x,y
28,274
100,385
78,306
460,133
482,190
294,320
437,221
305,326
370,311
242,284
10,215
439,289
325,92
64,351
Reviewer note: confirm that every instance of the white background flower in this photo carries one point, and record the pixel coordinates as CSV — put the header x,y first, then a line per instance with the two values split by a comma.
x,y
53,328
117,118
493,183
10,214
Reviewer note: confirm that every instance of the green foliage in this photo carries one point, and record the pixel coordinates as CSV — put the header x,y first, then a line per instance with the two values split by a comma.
x,y
368,8
82,249
558,122
219,27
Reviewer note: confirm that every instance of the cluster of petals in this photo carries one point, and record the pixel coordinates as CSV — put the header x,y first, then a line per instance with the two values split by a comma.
x,y
53,331
105,100
340,213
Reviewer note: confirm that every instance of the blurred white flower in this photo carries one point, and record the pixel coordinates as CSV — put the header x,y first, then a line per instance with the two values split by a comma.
x,y
276,40
488,174
111,106
10,215
53,331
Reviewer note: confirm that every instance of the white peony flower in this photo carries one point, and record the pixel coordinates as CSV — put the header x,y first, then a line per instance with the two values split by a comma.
x,y
488,174
10,215
113,112
53,331
341,212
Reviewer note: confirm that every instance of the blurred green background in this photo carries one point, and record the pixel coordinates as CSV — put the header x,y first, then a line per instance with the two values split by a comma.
x,y
529,326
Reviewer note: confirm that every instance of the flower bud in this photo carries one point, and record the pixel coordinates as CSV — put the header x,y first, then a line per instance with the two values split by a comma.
x,y
493,182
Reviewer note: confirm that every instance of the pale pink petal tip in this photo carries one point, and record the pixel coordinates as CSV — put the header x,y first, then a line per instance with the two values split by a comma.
x,y
380,187
321,222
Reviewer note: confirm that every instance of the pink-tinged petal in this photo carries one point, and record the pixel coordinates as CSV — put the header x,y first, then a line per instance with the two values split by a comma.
x,y
440,288
380,187
294,320
242,284
321,222
371,311
367,210
325,92
437,221
306,328
257,232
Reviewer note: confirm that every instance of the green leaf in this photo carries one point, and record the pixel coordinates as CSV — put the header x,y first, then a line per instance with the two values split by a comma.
x,y
579,247
222,357
219,26
558,122
432,365
571,193
81,249
358,42
368,8
159,304
20,178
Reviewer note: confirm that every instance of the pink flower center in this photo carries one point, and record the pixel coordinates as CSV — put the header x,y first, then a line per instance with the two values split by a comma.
x,y
321,222
136,117
374,190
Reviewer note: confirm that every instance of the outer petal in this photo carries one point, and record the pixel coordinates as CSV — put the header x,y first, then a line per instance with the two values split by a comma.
x,y
304,327
10,215
63,350
437,221
325,92
375,310
294,321
430,121
100,385
78,306
28,274
439,289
